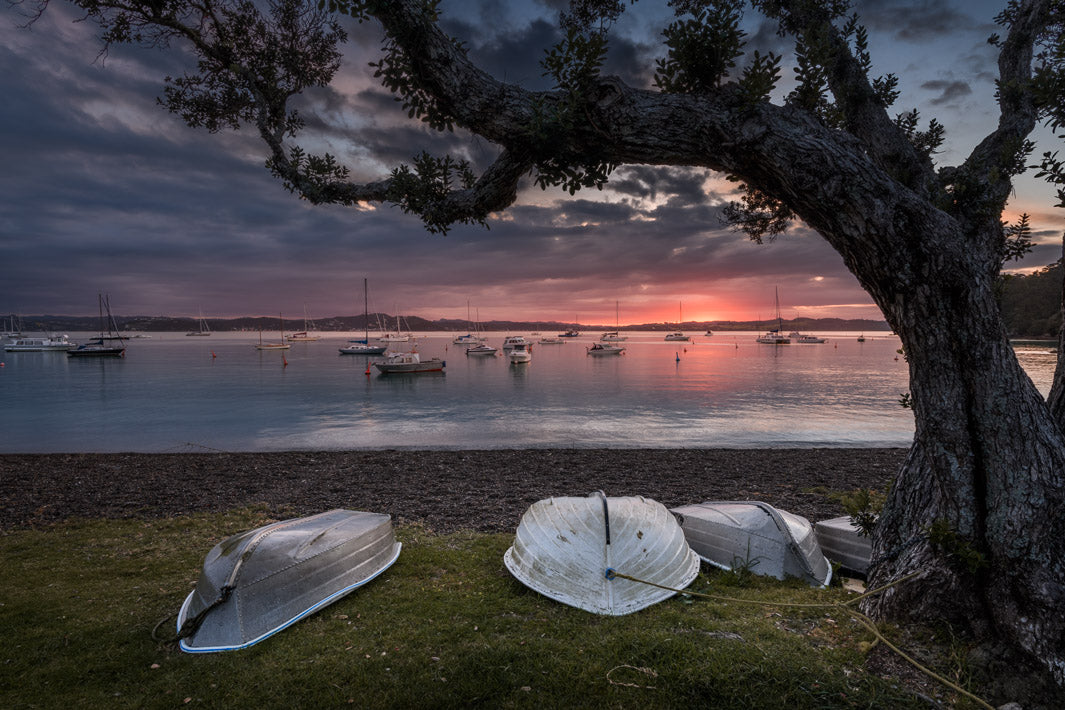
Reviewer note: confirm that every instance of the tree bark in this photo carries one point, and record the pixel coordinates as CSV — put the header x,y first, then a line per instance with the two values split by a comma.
x,y
977,507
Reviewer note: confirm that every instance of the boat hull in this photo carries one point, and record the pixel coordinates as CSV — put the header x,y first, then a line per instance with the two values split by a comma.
x,y
403,368
842,543
767,541
564,548
280,573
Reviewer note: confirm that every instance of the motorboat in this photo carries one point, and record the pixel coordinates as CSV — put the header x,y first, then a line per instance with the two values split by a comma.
x,y
756,536
552,340
677,336
467,339
797,337
513,340
520,354
709,332
773,337
45,344
262,581
481,349
409,362
605,349
570,548
570,334
361,347
844,544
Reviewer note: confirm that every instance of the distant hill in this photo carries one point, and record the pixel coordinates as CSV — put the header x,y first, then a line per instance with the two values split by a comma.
x,y
57,323
1031,305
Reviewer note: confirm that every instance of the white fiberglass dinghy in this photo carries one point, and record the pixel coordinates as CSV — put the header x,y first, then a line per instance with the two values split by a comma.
x,y
568,549
259,582
768,541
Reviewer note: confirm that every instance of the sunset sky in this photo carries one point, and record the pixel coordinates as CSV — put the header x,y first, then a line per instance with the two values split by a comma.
x,y
104,191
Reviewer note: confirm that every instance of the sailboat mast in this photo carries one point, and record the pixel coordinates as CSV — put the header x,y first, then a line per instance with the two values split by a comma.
x,y
366,308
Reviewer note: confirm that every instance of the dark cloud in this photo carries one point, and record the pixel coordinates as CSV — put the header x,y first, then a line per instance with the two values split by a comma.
x,y
917,20
949,91
650,182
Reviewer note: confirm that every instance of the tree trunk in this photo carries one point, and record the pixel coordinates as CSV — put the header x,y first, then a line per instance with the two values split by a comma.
x,y
977,507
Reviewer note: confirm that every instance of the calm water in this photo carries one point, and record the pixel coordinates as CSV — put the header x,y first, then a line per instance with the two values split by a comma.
x,y
170,394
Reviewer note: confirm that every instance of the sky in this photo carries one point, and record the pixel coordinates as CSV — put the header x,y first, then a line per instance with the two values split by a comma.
x,y
102,190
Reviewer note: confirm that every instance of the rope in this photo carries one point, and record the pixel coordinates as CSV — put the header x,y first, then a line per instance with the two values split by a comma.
x,y
192,624
861,618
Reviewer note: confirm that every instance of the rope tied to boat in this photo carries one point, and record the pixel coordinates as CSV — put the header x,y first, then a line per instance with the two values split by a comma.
x,y
193,623
861,618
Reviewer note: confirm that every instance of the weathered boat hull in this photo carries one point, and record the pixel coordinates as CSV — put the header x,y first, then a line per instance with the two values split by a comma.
x,y
564,548
259,582
841,542
770,542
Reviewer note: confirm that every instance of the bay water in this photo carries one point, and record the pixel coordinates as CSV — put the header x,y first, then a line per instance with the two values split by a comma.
x,y
173,393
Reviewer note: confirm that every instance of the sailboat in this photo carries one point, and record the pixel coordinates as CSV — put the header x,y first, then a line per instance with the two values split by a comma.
x,y
282,345
13,327
98,347
615,335
397,336
363,347
470,338
775,336
680,319
204,330
305,335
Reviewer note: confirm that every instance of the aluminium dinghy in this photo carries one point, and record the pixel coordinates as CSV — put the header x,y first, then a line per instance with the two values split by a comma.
x,y
259,582
844,544
768,541
569,549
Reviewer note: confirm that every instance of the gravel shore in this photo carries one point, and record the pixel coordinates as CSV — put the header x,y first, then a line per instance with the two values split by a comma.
x,y
485,491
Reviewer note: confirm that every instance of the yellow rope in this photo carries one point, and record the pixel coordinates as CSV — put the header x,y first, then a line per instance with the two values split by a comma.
x,y
864,620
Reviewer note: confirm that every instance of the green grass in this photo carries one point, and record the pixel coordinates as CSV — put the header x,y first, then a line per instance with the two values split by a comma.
x,y
446,626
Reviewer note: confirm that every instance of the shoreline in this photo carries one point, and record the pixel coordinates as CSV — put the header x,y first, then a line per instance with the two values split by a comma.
x,y
446,490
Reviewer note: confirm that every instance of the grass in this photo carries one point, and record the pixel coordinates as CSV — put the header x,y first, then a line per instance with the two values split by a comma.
x,y
446,626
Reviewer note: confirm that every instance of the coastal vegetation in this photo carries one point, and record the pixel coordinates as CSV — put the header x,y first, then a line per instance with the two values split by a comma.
x,y
926,241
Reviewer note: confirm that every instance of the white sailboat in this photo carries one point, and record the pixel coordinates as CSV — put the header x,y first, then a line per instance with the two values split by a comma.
x,y
615,335
363,347
471,338
397,336
281,345
776,335
203,329
305,335
680,319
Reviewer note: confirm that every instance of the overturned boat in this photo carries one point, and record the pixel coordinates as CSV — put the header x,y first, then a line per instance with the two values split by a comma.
x,y
259,582
767,541
844,544
569,549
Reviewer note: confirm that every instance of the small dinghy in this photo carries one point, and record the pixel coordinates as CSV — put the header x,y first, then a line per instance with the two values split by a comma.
x,y
770,542
843,544
259,582
568,549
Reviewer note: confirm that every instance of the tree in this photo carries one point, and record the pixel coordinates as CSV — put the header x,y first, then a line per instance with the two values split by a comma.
x,y
976,509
